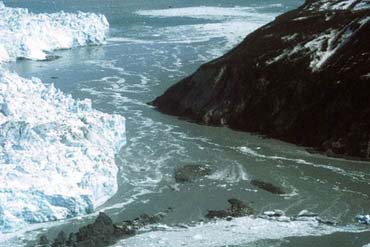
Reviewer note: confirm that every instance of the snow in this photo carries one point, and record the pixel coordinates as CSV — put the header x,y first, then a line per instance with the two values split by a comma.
x,y
343,4
57,154
325,5
321,47
320,56
364,4
34,36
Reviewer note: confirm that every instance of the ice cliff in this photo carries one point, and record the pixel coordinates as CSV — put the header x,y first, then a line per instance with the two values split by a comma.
x,y
57,154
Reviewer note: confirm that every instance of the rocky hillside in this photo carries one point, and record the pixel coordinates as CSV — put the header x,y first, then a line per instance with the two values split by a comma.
x,y
303,78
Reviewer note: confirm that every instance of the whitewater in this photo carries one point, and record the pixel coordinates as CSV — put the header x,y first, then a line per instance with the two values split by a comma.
x,y
57,154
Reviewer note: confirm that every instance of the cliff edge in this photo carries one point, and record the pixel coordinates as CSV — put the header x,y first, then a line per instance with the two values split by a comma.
x,y
303,78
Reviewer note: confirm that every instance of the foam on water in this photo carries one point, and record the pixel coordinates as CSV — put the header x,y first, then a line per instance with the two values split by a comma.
x,y
201,12
34,36
230,174
238,231
354,175
230,24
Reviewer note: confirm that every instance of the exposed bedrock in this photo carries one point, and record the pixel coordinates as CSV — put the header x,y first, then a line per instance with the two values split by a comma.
x,y
102,232
303,78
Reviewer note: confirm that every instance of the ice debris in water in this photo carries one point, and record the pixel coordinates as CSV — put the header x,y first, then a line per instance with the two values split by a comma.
x,y
363,219
34,36
57,154
234,232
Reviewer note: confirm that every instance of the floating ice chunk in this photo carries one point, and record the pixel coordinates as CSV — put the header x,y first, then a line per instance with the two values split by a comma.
x,y
274,213
363,219
306,213
56,153
33,36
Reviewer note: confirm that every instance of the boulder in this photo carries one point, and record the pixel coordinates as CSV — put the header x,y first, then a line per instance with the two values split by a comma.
x,y
237,208
267,187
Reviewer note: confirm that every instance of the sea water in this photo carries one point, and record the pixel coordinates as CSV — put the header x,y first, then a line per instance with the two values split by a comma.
x,y
150,46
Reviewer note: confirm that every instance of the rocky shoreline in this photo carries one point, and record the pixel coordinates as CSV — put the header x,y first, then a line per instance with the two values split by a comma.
x,y
303,78
104,232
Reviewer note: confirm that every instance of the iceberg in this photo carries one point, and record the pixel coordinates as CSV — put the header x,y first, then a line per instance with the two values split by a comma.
x,y
34,36
57,154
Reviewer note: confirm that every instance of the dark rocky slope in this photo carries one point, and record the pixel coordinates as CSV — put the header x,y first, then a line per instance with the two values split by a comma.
x,y
304,78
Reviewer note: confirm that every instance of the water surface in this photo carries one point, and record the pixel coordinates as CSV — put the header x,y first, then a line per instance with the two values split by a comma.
x,y
149,50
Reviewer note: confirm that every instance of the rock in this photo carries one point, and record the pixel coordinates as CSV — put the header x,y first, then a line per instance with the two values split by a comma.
x,y
237,208
103,232
43,241
100,233
303,78
326,222
220,214
189,173
267,187
60,240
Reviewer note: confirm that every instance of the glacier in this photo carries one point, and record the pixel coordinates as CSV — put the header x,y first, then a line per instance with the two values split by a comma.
x,y
57,154
35,36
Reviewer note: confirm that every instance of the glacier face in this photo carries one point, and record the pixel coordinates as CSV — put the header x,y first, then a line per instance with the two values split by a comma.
x,y
34,36
57,154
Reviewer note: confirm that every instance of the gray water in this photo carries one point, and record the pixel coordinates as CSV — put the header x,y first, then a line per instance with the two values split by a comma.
x,y
147,52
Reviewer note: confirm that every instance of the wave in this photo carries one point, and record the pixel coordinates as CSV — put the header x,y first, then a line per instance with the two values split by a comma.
x,y
34,36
